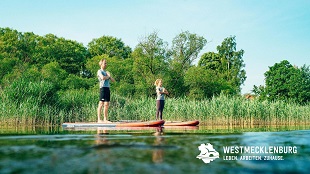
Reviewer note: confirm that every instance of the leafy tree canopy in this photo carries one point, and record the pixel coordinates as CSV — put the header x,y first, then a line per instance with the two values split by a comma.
x,y
68,65
110,46
286,82
150,61
227,64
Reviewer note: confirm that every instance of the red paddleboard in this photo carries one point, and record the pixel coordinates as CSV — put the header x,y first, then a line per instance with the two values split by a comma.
x,y
116,124
182,123
142,124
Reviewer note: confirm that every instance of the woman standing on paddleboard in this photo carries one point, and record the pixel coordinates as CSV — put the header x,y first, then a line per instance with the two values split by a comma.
x,y
104,78
160,101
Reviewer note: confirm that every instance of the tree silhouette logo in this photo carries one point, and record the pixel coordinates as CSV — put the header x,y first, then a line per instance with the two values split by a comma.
x,y
207,153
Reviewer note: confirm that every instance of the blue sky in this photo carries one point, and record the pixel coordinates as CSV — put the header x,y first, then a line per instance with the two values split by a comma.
x,y
269,31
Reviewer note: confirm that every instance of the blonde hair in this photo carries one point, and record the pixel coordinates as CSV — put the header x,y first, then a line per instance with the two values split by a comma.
x,y
101,61
157,81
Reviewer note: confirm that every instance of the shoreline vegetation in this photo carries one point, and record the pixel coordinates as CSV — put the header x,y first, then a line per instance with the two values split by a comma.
x,y
48,80
80,106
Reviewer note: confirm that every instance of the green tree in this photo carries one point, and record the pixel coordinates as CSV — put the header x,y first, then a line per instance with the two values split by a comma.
x,y
77,82
9,43
122,72
286,82
232,63
302,81
27,46
70,55
185,49
227,64
211,61
53,73
204,83
150,62
6,66
110,46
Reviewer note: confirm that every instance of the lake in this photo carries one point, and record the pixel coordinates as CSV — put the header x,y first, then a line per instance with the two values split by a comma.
x,y
155,150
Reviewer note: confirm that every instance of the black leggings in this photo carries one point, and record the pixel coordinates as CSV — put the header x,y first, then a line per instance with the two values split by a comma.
x,y
160,104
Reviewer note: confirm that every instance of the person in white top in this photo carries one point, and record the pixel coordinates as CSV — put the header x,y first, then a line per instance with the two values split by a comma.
x,y
104,78
160,101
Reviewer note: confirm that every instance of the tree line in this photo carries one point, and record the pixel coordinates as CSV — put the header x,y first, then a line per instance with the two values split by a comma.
x,y
68,65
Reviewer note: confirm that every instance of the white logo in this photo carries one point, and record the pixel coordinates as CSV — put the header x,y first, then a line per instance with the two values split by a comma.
x,y
207,153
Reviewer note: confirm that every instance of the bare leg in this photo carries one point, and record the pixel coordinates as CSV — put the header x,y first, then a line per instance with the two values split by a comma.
x,y
105,109
100,104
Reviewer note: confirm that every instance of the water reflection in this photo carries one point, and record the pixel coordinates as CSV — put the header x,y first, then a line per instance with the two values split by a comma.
x,y
101,136
153,150
156,148
158,153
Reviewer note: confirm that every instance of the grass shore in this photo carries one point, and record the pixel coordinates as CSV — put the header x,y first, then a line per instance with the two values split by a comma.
x,y
81,105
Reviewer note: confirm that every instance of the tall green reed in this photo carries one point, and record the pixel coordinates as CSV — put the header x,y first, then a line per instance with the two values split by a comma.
x,y
24,101
38,103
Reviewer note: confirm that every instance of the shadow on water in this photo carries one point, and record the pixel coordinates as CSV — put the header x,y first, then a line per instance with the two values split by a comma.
x,y
151,150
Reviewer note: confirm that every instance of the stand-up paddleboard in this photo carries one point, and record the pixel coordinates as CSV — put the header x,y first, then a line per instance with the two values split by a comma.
x,y
115,124
182,123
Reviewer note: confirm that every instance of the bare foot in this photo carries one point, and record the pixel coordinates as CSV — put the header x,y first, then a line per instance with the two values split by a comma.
x,y
101,121
104,121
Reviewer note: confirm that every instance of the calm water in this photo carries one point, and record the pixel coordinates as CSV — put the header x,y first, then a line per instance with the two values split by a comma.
x,y
153,151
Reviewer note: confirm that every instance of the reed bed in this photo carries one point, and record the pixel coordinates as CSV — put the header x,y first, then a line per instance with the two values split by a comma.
x,y
81,106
